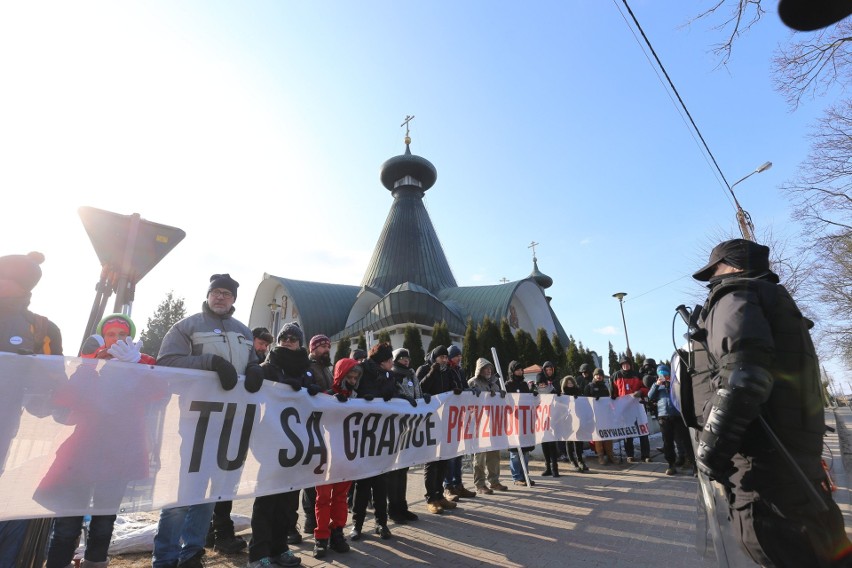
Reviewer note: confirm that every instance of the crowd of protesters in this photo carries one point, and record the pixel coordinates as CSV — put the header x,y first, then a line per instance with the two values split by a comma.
x,y
215,341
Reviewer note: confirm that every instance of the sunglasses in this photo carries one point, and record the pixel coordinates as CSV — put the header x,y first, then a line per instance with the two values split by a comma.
x,y
289,339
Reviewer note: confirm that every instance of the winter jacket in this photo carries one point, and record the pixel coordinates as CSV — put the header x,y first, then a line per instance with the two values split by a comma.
x,y
192,342
439,380
289,366
516,384
23,331
627,383
541,378
339,385
596,389
480,383
376,382
661,394
321,374
406,383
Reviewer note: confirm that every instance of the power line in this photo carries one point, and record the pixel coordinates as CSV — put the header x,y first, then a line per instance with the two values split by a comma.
x,y
675,91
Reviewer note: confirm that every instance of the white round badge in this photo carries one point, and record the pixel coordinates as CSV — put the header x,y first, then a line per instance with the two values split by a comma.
x,y
217,330
16,340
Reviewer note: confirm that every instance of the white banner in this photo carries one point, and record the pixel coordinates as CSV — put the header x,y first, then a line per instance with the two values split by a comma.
x,y
84,436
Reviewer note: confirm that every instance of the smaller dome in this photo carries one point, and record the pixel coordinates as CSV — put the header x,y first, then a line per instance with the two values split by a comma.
x,y
540,277
408,164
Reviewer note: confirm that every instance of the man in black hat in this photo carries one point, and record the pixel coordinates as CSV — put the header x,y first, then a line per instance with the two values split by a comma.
x,y
765,366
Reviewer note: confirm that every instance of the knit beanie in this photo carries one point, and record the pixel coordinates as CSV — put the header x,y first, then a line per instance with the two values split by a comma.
x,y
438,351
381,352
453,351
359,354
120,320
223,281
292,328
401,352
22,269
318,340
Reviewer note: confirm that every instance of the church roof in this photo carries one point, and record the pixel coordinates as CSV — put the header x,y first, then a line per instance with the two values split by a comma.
x,y
323,307
477,302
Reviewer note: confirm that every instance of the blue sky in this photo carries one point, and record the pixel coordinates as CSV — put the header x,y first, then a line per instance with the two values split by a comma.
x,y
259,129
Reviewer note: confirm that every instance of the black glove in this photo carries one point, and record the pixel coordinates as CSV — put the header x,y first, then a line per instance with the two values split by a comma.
x,y
368,397
427,398
295,385
342,397
558,393
457,391
24,352
386,397
314,389
227,373
535,393
411,401
476,391
502,394
597,398
254,378
576,396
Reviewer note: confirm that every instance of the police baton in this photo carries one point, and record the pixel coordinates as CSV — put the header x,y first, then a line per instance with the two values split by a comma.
x,y
695,334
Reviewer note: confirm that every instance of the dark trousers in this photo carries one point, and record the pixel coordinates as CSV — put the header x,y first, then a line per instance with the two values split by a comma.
x,y
271,516
453,472
801,537
291,507
673,430
550,451
222,522
574,451
309,501
433,479
644,447
66,531
397,484
375,487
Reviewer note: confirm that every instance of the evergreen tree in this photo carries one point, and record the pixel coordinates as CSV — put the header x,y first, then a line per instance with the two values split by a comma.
x,y
638,360
510,346
170,311
545,348
342,351
440,335
413,341
384,337
469,349
488,336
613,360
560,359
573,357
362,341
527,352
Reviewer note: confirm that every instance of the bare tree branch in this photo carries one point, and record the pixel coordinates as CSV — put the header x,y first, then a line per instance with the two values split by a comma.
x,y
739,20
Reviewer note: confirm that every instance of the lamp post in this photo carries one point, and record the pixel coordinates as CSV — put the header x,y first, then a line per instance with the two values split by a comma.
x,y
620,297
275,308
743,218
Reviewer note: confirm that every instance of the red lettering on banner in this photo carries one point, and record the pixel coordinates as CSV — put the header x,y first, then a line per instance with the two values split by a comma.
x,y
480,411
461,421
452,419
524,413
482,422
471,414
546,426
509,420
497,422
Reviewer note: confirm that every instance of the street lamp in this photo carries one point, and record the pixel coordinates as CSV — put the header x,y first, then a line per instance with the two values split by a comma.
x,y
743,218
275,308
620,297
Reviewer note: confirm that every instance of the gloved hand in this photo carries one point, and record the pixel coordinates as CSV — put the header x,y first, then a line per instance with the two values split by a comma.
x,y
436,367
368,397
558,393
535,393
254,378
576,396
713,463
597,398
313,389
295,385
126,351
427,398
91,345
476,391
502,394
227,373
341,397
457,391
411,401
386,397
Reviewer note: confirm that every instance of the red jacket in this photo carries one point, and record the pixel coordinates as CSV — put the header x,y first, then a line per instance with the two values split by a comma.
x,y
626,383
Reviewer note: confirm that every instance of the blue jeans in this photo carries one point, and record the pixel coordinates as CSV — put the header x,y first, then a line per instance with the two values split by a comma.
x,y
453,472
515,465
187,524
11,536
66,531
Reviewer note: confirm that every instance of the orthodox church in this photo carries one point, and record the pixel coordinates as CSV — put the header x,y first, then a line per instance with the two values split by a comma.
x,y
408,280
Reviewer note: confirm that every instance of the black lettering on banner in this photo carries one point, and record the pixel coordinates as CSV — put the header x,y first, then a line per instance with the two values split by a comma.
x,y
225,437
298,448
430,434
205,408
316,443
404,432
368,434
350,435
388,435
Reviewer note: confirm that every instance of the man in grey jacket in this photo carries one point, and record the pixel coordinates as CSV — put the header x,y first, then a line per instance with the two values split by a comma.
x,y
211,340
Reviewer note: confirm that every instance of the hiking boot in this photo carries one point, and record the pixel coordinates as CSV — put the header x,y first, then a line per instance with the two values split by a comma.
x,y
520,482
264,562
229,544
555,467
293,536
584,466
647,460
447,504
409,516
320,548
337,542
671,470
398,519
484,490
450,494
287,559
383,531
434,507
464,492
499,487
194,562
547,471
